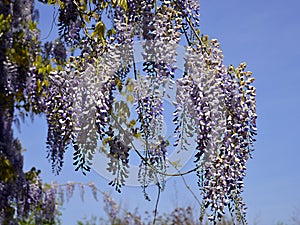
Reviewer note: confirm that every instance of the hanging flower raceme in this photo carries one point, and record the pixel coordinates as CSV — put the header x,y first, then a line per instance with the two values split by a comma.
x,y
190,9
224,122
124,36
79,102
149,107
214,105
49,202
161,43
161,35
69,22
59,116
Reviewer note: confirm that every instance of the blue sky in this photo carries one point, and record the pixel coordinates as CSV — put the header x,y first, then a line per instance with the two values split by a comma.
x,y
266,35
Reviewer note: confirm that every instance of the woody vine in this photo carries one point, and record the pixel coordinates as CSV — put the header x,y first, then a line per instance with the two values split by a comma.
x,y
75,80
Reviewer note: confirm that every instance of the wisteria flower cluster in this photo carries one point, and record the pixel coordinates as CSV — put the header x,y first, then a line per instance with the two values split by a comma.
x,y
217,101
214,104
78,104
35,201
23,197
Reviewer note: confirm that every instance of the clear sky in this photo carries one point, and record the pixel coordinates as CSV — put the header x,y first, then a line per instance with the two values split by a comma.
x,y
266,35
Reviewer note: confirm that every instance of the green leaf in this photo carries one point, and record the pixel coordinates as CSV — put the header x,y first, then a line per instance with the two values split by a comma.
x,y
51,2
99,30
111,32
7,171
122,3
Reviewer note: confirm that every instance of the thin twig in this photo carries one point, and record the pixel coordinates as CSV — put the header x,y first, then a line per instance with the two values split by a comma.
x,y
186,184
191,25
186,37
193,28
146,161
52,25
156,204
134,69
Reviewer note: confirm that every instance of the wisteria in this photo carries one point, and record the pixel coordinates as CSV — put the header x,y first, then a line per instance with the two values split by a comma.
x,y
215,102
69,22
23,197
88,98
111,207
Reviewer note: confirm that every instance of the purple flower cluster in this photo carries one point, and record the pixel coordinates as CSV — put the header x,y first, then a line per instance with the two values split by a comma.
x,y
34,200
34,191
49,203
150,111
111,207
103,106
221,103
214,102
160,50
190,9
78,106
158,152
69,22
59,116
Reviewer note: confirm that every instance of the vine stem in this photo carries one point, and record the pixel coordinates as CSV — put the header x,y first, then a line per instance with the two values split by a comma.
x,y
146,161
186,184
157,201
54,16
190,23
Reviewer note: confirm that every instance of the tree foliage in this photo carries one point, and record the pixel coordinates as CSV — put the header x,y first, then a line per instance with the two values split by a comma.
x,y
24,199
75,81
